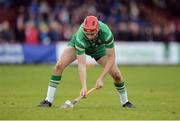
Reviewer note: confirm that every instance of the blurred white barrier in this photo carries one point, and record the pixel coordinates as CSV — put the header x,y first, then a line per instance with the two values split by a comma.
x,y
139,53
173,53
11,53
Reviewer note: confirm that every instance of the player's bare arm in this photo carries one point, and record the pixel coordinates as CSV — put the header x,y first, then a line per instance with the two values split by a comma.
x,y
82,73
108,66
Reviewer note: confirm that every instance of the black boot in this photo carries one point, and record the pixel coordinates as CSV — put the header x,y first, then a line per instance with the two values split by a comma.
x,y
45,103
128,105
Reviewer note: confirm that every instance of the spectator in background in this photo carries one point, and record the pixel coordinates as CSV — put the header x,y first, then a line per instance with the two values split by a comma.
x,y
170,33
34,7
55,31
6,33
147,34
19,31
124,16
6,4
20,26
112,25
157,33
134,32
44,7
44,33
122,31
134,12
31,34
67,32
63,16
44,10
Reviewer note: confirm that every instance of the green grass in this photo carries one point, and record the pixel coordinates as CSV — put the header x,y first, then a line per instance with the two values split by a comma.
x,y
155,90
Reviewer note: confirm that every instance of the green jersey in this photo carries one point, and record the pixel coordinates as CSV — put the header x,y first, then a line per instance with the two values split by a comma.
x,y
95,48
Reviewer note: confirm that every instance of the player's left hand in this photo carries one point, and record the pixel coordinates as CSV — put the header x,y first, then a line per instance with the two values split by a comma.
x,y
99,83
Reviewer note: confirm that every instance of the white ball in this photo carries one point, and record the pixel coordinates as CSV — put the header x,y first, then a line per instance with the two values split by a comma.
x,y
69,104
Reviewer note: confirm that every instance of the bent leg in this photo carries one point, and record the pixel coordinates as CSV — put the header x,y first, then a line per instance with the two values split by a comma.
x,y
67,57
118,80
114,72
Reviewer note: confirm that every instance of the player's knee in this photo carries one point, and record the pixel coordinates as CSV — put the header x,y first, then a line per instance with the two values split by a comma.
x,y
58,68
117,77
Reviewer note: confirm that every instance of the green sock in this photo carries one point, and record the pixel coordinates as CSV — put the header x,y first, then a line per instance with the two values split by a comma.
x,y
120,87
54,81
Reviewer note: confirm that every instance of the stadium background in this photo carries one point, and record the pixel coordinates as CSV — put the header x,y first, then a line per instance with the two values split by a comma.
x,y
33,34
29,25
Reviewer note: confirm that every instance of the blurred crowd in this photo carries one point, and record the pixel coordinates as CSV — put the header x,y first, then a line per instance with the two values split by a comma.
x,y
51,21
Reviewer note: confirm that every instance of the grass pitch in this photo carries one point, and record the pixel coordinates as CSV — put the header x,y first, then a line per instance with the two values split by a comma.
x,y
155,90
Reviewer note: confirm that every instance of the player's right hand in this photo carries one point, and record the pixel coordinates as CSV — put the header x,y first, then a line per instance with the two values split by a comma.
x,y
99,84
83,92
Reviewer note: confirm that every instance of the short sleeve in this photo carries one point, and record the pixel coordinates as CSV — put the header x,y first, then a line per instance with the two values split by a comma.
x,y
79,46
109,39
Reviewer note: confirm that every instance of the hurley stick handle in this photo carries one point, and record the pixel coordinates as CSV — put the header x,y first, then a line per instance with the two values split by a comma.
x,y
88,92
